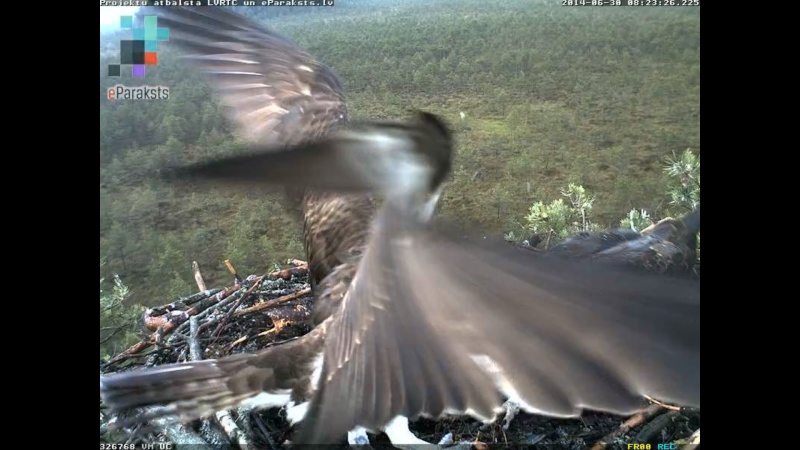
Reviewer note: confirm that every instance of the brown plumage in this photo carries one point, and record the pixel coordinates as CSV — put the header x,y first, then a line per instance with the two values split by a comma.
x,y
336,227
415,321
277,95
198,389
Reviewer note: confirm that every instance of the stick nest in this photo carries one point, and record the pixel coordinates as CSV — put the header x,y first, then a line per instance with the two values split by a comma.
x,y
261,311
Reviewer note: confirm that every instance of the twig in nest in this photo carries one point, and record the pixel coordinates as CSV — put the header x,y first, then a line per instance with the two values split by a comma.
x,y
195,351
631,423
230,431
154,322
547,243
232,270
264,431
252,288
172,325
235,434
287,274
108,364
176,432
198,277
277,326
478,444
238,341
662,404
158,316
652,429
189,300
218,307
693,442
266,305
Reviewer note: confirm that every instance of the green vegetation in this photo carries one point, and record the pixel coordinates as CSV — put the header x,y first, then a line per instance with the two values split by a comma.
x,y
562,218
117,320
683,177
593,98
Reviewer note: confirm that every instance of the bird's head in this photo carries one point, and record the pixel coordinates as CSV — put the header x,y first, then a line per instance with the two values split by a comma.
x,y
406,162
434,150
436,146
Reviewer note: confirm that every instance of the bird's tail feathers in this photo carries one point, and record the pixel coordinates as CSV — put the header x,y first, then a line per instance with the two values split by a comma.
x,y
195,390
189,391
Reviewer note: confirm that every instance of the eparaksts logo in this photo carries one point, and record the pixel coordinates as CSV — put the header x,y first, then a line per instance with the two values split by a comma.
x,y
120,92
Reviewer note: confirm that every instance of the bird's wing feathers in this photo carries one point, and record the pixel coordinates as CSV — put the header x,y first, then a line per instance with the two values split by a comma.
x,y
364,158
275,92
188,391
426,310
198,389
386,358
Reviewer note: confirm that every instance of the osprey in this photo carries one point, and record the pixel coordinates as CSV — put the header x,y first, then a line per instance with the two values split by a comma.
x,y
409,321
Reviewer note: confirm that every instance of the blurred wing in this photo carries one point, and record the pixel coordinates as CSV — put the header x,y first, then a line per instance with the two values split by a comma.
x,y
275,92
430,320
198,389
365,157
189,390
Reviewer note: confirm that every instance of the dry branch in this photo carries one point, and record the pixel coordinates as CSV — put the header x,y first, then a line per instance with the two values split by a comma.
x,y
631,423
232,270
287,274
255,285
178,433
234,433
693,441
670,407
269,304
653,428
170,326
154,321
198,277
289,313
230,432
195,351
281,316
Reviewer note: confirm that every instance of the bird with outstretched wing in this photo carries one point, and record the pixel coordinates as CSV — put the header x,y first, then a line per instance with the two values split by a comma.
x,y
412,321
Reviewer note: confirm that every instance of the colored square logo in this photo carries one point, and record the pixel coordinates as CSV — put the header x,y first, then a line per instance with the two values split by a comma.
x,y
150,58
142,49
138,71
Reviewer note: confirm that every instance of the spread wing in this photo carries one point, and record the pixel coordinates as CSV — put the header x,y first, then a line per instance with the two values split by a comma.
x,y
433,323
275,92
198,389
372,156
363,158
